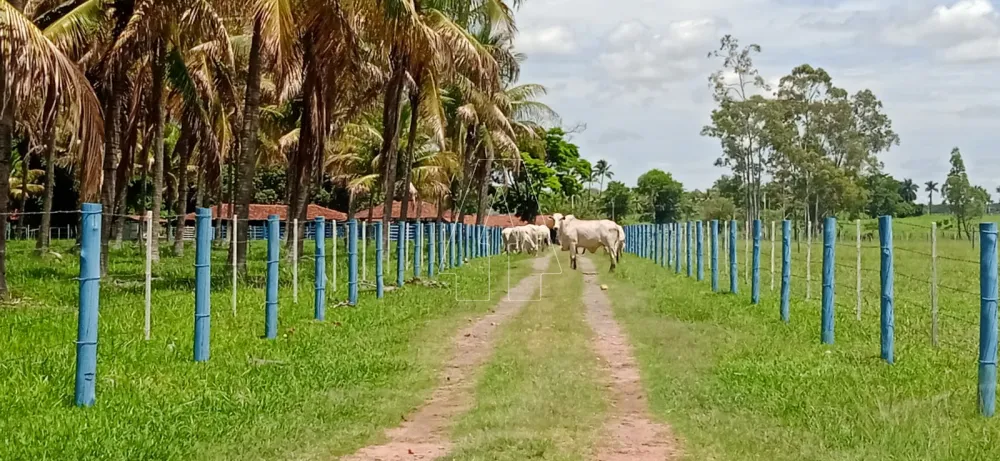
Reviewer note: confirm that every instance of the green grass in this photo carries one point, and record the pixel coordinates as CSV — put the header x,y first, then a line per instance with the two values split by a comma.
x,y
736,383
319,389
538,398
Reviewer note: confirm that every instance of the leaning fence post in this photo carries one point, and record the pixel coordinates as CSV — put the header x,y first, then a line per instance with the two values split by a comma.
x,y
715,254
352,262
786,268
400,249
755,276
379,269
364,250
319,264
888,317
84,393
733,270
829,239
987,318
858,268
934,297
202,284
271,294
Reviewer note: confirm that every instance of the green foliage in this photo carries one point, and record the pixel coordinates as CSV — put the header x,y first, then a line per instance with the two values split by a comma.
x,y
663,195
966,202
617,201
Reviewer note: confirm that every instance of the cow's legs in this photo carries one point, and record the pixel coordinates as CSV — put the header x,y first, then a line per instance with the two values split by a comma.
x,y
572,256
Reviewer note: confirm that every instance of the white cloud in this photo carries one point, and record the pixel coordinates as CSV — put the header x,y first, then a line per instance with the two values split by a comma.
x,y
641,67
637,56
947,25
549,40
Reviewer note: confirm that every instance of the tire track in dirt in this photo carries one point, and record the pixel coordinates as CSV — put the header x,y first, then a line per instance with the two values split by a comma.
x,y
424,434
629,434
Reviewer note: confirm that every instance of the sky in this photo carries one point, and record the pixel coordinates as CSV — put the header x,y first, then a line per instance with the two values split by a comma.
x,y
635,73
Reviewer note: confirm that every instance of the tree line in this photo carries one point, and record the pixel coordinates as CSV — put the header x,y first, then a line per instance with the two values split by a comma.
x,y
163,105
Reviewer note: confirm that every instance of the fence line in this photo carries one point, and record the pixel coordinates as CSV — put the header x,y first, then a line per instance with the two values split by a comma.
x,y
920,268
126,286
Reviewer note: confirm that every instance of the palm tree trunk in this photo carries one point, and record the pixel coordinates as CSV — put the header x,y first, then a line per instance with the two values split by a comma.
x,y
484,187
158,122
390,134
125,167
42,242
111,159
247,162
185,145
300,173
411,141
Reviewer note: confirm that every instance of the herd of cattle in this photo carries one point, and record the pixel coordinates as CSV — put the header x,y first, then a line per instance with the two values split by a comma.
x,y
572,234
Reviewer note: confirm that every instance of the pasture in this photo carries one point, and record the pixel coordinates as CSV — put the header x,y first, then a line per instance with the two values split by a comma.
x,y
321,386
737,383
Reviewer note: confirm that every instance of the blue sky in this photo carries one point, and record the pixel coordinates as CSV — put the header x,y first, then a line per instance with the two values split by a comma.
x,y
635,72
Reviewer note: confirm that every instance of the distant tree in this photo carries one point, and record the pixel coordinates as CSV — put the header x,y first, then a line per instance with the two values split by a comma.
x,y
931,187
908,190
663,193
965,201
602,169
617,201
883,195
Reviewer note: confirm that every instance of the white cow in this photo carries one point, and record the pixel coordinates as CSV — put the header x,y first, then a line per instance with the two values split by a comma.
x,y
541,233
508,241
590,235
525,239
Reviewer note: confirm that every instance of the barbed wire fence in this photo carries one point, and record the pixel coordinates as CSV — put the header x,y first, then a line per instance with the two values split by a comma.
x,y
860,271
51,318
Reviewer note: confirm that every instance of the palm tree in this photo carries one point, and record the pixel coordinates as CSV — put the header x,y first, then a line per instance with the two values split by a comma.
x,y
930,187
603,170
908,190
36,78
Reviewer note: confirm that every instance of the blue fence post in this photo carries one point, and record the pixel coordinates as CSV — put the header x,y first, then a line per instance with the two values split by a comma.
x,y
987,318
714,243
670,244
786,269
887,275
379,275
460,243
699,250
418,247
453,244
442,244
319,309
677,247
352,262
755,268
661,230
202,284
829,239
733,271
271,293
431,248
400,253
687,246
84,392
